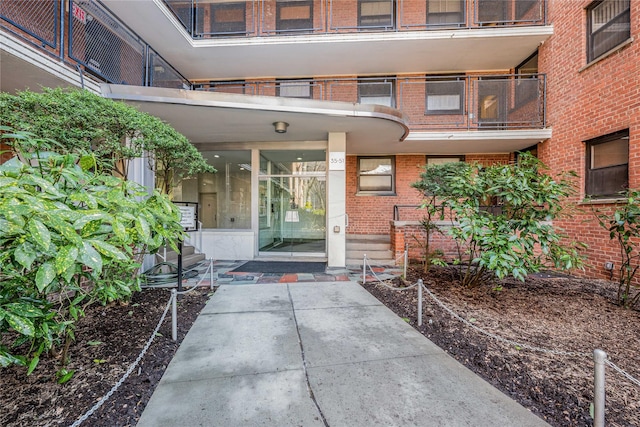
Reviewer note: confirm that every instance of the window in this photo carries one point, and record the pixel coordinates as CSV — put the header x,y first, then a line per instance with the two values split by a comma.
x,y
376,91
607,165
527,83
295,89
228,18
445,95
376,14
376,175
224,198
294,15
608,25
492,102
445,12
441,160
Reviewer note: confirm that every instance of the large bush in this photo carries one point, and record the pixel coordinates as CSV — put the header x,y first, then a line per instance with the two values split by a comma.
x,y
69,236
502,217
80,121
623,225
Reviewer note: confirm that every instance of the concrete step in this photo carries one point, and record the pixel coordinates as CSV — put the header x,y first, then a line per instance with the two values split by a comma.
x,y
376,246
189,257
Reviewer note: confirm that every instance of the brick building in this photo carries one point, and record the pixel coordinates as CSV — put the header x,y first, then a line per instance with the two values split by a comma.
x,y
319,114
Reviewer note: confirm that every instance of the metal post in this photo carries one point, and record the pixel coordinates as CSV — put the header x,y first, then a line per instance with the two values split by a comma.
x,y
364,269
419,302
174,314
599,358
211,274
406,259
180,265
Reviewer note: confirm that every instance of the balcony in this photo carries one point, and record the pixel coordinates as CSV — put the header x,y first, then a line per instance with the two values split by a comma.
x,y
431,103
257,18
84,36
221,40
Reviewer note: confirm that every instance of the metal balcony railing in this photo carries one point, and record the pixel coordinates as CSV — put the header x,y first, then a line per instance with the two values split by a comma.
x,y
221,18
463,102
87,36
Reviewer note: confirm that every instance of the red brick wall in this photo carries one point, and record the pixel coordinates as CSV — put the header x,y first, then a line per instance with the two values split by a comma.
x,y
587,102
5,153
370,214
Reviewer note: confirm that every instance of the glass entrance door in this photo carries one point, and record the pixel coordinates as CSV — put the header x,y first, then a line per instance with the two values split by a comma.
x,y
292,200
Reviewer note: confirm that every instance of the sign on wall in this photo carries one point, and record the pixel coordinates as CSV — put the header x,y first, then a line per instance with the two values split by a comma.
x,y
188,217
337,160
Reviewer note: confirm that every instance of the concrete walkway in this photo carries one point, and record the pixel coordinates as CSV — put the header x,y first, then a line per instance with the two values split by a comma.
x,y
318,354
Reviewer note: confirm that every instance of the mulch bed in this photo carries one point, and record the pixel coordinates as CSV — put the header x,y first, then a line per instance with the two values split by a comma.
x,y
567,314
108,341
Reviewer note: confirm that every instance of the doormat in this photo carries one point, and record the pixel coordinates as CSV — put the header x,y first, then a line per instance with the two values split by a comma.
x,y
284,267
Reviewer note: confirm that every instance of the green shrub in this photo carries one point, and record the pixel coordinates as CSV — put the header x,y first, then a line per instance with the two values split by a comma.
x,y
80,122
69,236
503,218
624,228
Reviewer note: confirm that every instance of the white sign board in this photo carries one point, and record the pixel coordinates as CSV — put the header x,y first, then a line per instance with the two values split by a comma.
x,y
188,217
337,160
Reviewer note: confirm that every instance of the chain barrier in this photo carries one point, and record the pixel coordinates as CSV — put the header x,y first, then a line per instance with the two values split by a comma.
x,y
367,263
622,372
499,338
600,357
129,371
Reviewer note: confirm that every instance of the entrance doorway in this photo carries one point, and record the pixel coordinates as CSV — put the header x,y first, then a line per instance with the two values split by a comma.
x,y
209,214
292,203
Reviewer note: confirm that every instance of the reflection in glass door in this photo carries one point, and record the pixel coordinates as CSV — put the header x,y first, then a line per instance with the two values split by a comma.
x,y
292,199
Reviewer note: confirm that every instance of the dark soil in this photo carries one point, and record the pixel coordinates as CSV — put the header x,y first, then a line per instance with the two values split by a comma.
x,y
565,314
108,340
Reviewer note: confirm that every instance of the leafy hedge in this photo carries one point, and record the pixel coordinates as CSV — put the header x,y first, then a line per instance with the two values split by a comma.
x,y
69,237
81,121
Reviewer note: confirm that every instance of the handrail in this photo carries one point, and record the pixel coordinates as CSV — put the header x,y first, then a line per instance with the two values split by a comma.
x,y
520,98
259,18
96,41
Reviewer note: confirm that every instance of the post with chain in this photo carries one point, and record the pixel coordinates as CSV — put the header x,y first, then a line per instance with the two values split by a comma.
x,y
211,276
406,259
364,269
599,359
174,314
419,302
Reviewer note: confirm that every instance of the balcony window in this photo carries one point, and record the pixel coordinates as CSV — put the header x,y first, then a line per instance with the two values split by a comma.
x,y
379,91
445,96
527,80
295,89
607,165
608,25
228,18
376,14
294,15
376,175
492,102
445,12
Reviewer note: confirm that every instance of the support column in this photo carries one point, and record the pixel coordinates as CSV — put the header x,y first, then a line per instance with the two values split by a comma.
x,y
336,200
